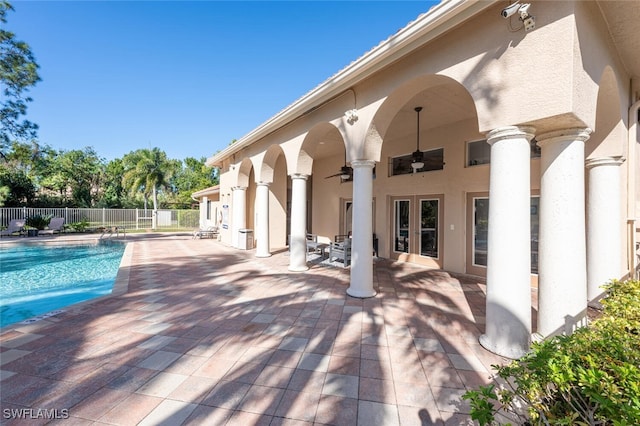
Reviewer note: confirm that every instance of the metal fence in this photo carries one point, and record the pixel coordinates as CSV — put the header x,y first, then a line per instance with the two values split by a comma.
x,y
128,218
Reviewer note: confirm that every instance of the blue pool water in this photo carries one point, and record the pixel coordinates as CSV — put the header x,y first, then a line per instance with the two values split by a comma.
x,y
35,280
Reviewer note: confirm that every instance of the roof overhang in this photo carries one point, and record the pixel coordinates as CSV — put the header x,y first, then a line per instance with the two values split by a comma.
x,y
428,26
212,190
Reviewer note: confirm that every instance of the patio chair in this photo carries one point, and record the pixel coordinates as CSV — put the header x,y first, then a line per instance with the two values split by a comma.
x,y
341,250
209,232
16,226
56,224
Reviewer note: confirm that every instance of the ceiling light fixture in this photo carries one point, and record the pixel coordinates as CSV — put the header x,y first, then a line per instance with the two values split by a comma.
x,y
417,156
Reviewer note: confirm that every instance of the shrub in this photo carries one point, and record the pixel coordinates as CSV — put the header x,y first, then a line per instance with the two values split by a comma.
x,y
38,221
80,226
591,377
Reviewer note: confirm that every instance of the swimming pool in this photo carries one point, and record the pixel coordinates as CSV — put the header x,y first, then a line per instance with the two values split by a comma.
x,y
38,279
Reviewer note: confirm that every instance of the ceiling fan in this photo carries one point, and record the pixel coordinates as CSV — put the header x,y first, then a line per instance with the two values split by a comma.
x,y
345,173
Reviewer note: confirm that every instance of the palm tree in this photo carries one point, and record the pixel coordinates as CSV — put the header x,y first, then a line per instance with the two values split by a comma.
x,y
147,171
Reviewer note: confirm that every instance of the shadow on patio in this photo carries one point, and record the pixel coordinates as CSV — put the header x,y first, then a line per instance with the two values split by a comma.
x,y
211,335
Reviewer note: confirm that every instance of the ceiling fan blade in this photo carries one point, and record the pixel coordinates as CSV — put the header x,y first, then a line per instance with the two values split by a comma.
x,y
337,174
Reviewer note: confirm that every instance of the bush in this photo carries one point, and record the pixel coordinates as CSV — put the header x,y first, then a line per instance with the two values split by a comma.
x,y
591,377
80,226
38,221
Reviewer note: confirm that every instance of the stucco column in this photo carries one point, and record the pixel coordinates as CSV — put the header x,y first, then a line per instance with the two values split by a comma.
x,y
562,276
262,222
239,218
361,284
298,241
604,241
508,317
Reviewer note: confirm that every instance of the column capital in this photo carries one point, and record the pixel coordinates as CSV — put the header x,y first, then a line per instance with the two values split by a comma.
x,y
604,161
299,176
356,164
238,188
262,183
510,132
581,134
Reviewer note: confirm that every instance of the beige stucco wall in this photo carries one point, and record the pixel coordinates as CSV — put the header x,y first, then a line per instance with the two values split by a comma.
x,y
565,73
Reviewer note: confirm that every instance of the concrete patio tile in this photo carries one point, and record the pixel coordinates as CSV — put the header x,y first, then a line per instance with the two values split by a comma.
x,y
168,413
307,381
375,413
275,377
96,405
450,400
131,410
206,415
298,405
159,360
261,400
336,410
445,377
156,342
314,362
226,394
341,385
249,418
377,390
193,389
297,344
344,365
413,395
162,384
132,379
214,368
12,355
18,339
467,362
419,416
285,358
6,374
428,345
264,318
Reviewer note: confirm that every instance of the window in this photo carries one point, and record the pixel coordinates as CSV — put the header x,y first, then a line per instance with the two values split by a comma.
x,y
479,152
481,226
433,160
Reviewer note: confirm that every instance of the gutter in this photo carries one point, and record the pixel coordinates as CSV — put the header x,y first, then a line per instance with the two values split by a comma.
x,y
428,26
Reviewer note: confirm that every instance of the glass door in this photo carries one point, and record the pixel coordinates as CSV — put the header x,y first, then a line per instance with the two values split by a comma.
x,y
401,229
416,231
429,213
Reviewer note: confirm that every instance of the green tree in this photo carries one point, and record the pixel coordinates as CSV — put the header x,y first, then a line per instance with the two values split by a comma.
x,y
18,72
147,171
16,189
74,175
193,175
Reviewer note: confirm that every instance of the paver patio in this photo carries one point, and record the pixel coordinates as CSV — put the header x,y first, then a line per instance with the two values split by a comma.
x,y
207,334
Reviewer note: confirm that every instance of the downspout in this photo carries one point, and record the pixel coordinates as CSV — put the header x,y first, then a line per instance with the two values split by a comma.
x,y
634,116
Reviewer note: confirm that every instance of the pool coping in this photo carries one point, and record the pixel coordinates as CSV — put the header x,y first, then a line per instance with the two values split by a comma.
x,y
120,285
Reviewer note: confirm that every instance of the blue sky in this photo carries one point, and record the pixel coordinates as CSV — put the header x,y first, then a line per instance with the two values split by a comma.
x,y
187,77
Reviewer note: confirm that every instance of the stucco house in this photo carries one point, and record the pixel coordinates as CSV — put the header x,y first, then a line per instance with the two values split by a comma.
x,y
209,204
485,137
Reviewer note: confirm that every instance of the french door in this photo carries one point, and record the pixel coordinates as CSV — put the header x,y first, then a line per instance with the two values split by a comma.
x,y
417,229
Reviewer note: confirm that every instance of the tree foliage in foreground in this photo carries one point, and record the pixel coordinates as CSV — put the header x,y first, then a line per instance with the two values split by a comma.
x,y
591,377
18,72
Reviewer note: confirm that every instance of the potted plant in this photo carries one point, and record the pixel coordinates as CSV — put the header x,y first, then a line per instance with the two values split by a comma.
x,y
35,223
